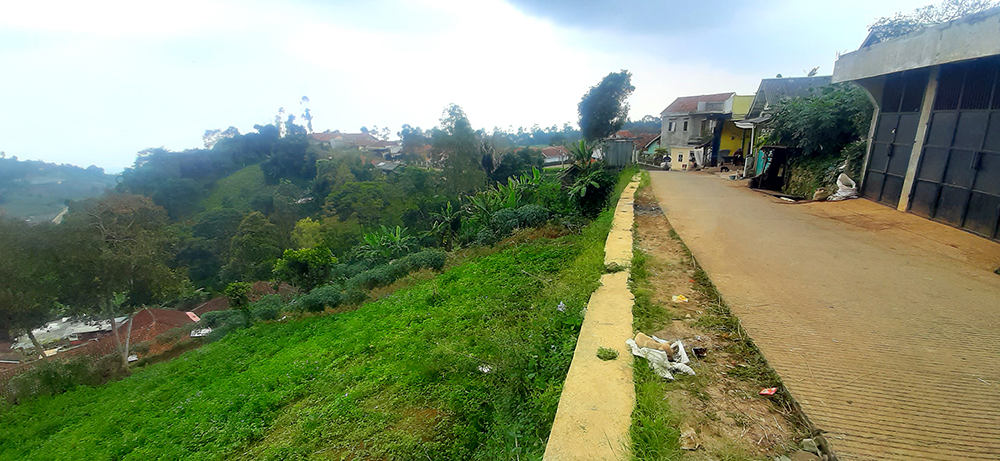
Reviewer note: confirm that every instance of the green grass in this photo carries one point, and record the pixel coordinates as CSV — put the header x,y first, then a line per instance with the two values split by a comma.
x,y
237,190
399,378
606,353
654,431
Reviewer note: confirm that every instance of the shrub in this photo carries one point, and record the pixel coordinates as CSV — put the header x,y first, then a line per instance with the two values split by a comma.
x,y
267,307
55,376
319,299
387,274
591,190
217,319
305,268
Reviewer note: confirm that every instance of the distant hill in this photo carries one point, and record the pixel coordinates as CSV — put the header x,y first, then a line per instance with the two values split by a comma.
x,y
37,190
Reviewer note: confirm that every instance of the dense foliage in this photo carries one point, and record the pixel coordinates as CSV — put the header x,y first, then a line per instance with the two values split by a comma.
x,y
822,124
604,109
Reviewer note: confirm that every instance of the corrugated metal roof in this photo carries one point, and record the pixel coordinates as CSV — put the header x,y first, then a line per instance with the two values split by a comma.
x,y
690,103
772,90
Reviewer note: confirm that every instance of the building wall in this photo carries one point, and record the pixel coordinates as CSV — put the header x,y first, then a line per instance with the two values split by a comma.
x,y
679,137
732,137
741,106
680,156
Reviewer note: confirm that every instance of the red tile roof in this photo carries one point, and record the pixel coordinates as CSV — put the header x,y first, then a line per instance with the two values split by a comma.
x,y
624,134
555,151
645,139
690,103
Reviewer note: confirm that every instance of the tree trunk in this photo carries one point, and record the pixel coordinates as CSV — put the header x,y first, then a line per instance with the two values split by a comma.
x,y
128,341
118,338
38,345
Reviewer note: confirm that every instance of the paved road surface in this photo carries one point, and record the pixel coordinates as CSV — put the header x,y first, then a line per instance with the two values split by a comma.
x,y
883,325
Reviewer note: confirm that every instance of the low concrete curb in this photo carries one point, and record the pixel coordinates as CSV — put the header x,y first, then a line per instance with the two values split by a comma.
x,y
595,408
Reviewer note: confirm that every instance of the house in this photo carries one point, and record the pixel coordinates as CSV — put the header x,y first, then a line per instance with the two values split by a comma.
x,y
555,155
934,145
694,128
769,93
337,140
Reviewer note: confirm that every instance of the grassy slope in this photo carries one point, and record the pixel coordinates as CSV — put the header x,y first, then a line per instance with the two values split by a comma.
x,y
397,379
240,188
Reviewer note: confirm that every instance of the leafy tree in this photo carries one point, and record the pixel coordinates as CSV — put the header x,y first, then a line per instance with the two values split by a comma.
x,y
822,124
238,294
368,201
114,258
305,268
27,297
306,233
603,110
904,23
459,146
517,163
253,250
412,138
340,236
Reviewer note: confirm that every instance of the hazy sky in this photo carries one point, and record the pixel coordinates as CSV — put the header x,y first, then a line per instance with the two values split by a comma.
x,y
94,82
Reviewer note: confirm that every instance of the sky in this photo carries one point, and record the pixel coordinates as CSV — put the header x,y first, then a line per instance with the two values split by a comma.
x,y
95,82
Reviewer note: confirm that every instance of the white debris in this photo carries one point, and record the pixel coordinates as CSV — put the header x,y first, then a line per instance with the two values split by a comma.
x,y
659,360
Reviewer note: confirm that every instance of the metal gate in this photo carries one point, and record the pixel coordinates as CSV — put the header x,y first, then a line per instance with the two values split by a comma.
x,y
958,180
894,136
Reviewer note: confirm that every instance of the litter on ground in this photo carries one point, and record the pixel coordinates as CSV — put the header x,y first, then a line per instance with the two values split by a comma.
x,y
661,361
680,299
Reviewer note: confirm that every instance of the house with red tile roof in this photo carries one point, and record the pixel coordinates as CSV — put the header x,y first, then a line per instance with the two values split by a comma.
x,y
691,127
555,155
335,139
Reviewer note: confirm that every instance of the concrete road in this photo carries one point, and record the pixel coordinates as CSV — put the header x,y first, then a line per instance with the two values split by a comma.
x,y
883,325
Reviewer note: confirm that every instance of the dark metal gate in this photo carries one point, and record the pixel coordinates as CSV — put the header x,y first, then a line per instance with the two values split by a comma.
x,y
958,180
894,136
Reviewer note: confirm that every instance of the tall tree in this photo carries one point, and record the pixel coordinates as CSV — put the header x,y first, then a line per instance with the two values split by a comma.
x,y
27,297
253,250
461,150
603,110
114,258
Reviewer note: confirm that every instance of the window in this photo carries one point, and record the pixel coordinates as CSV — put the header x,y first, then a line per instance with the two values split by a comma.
x,y
685,125
670,126
680,158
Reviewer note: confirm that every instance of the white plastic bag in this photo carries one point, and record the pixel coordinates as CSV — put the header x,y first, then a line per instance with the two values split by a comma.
x,y
846,189
659,360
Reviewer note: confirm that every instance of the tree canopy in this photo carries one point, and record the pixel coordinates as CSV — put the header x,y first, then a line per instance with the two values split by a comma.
x,y
604,109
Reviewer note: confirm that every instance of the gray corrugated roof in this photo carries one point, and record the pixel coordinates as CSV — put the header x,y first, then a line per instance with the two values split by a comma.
x,y
772,90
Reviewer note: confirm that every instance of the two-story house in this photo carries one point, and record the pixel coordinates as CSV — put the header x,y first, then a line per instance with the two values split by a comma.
x,y
691,128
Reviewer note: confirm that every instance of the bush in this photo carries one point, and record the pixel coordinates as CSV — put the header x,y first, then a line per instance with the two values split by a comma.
x,y
319,299
389,273
591,190
216,319
305,268
55,376
267,307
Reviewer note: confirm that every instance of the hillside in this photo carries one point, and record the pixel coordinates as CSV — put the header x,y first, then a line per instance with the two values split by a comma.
x,y
468,365
38,190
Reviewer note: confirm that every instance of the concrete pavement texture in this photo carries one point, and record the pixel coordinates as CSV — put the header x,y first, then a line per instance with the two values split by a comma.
x,y
595,407
884,326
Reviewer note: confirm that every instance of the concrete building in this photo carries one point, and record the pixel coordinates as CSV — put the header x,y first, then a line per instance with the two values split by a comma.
x,y
934,145
699,130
